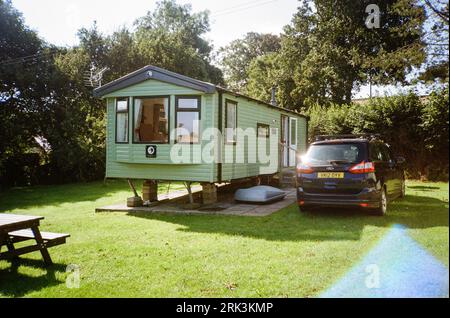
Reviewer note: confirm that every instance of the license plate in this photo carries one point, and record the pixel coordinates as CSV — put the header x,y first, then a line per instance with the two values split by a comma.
x,y
330,175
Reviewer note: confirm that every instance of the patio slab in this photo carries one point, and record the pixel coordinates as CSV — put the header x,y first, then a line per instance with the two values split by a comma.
x,y
175,203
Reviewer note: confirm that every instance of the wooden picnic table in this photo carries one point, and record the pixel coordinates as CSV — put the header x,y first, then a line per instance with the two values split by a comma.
x,y
17,228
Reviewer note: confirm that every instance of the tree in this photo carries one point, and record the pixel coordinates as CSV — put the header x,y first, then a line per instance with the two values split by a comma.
x,y
435,127
171,37
236,57
264,74
21,82
328,51
436,38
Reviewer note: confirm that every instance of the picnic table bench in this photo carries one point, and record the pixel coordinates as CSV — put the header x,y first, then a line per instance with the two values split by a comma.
x,y
18,228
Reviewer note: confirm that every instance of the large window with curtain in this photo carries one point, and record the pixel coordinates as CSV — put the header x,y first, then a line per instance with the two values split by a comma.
x,y
187,119
122,120
151,119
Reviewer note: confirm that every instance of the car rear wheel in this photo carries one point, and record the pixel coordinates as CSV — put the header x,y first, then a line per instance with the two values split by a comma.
x,y
382,209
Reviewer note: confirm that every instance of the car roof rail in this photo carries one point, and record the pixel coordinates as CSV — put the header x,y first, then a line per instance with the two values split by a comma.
x,y
348,136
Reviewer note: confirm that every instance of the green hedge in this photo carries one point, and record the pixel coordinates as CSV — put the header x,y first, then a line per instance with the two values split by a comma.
x,y
415,127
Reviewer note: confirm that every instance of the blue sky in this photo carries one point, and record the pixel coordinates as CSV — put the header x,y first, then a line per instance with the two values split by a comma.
x,y
57,21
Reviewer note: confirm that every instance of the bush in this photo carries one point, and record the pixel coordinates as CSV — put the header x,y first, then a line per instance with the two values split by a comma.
x,y
415,128
435,123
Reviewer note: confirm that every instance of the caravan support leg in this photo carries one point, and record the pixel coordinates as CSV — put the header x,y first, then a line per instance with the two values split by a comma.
x,y
209,193
150,190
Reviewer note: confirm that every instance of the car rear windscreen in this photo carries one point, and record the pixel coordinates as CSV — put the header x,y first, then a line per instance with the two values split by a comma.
x,y
340,153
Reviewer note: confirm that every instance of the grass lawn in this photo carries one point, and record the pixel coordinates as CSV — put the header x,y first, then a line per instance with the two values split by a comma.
x,y
286,254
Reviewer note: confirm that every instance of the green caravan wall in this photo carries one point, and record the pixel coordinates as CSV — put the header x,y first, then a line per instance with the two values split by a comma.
x,y
129,160
249,114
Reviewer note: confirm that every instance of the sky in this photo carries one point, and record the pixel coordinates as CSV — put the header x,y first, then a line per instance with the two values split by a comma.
x,y
57,21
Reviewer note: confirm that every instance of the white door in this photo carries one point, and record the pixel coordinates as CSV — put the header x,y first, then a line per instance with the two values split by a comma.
x,y
292,140
285,139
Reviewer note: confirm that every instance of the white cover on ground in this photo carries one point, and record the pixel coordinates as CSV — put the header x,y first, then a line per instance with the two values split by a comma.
x,y
259,194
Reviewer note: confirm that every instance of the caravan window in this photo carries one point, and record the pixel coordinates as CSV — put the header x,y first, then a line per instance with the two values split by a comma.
x,y
151,119
263,130
122,120
230,121
187,119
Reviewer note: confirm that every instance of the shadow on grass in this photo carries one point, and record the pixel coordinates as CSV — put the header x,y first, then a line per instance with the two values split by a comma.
x,y
22,198
15,284
25,197
318,225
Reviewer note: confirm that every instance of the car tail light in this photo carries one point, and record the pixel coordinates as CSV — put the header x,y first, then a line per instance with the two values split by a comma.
x,y
363,167
302,168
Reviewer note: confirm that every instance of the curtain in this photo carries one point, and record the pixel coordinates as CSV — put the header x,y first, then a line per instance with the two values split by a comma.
x,y
137,118
122,127
231,123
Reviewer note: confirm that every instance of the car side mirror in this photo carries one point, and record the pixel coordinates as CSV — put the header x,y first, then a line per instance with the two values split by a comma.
x,y
400,160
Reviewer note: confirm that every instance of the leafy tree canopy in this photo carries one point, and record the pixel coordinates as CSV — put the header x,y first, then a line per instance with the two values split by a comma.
x,y
24,83
327,50
236,57
436,37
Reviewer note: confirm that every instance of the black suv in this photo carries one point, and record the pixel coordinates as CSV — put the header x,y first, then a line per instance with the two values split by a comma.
x,y
349,170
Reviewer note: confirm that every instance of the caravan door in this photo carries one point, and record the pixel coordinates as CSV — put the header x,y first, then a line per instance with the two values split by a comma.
x,y
292,140
285,140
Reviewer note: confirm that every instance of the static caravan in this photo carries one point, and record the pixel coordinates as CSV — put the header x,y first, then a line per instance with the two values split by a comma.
x,y
169,127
